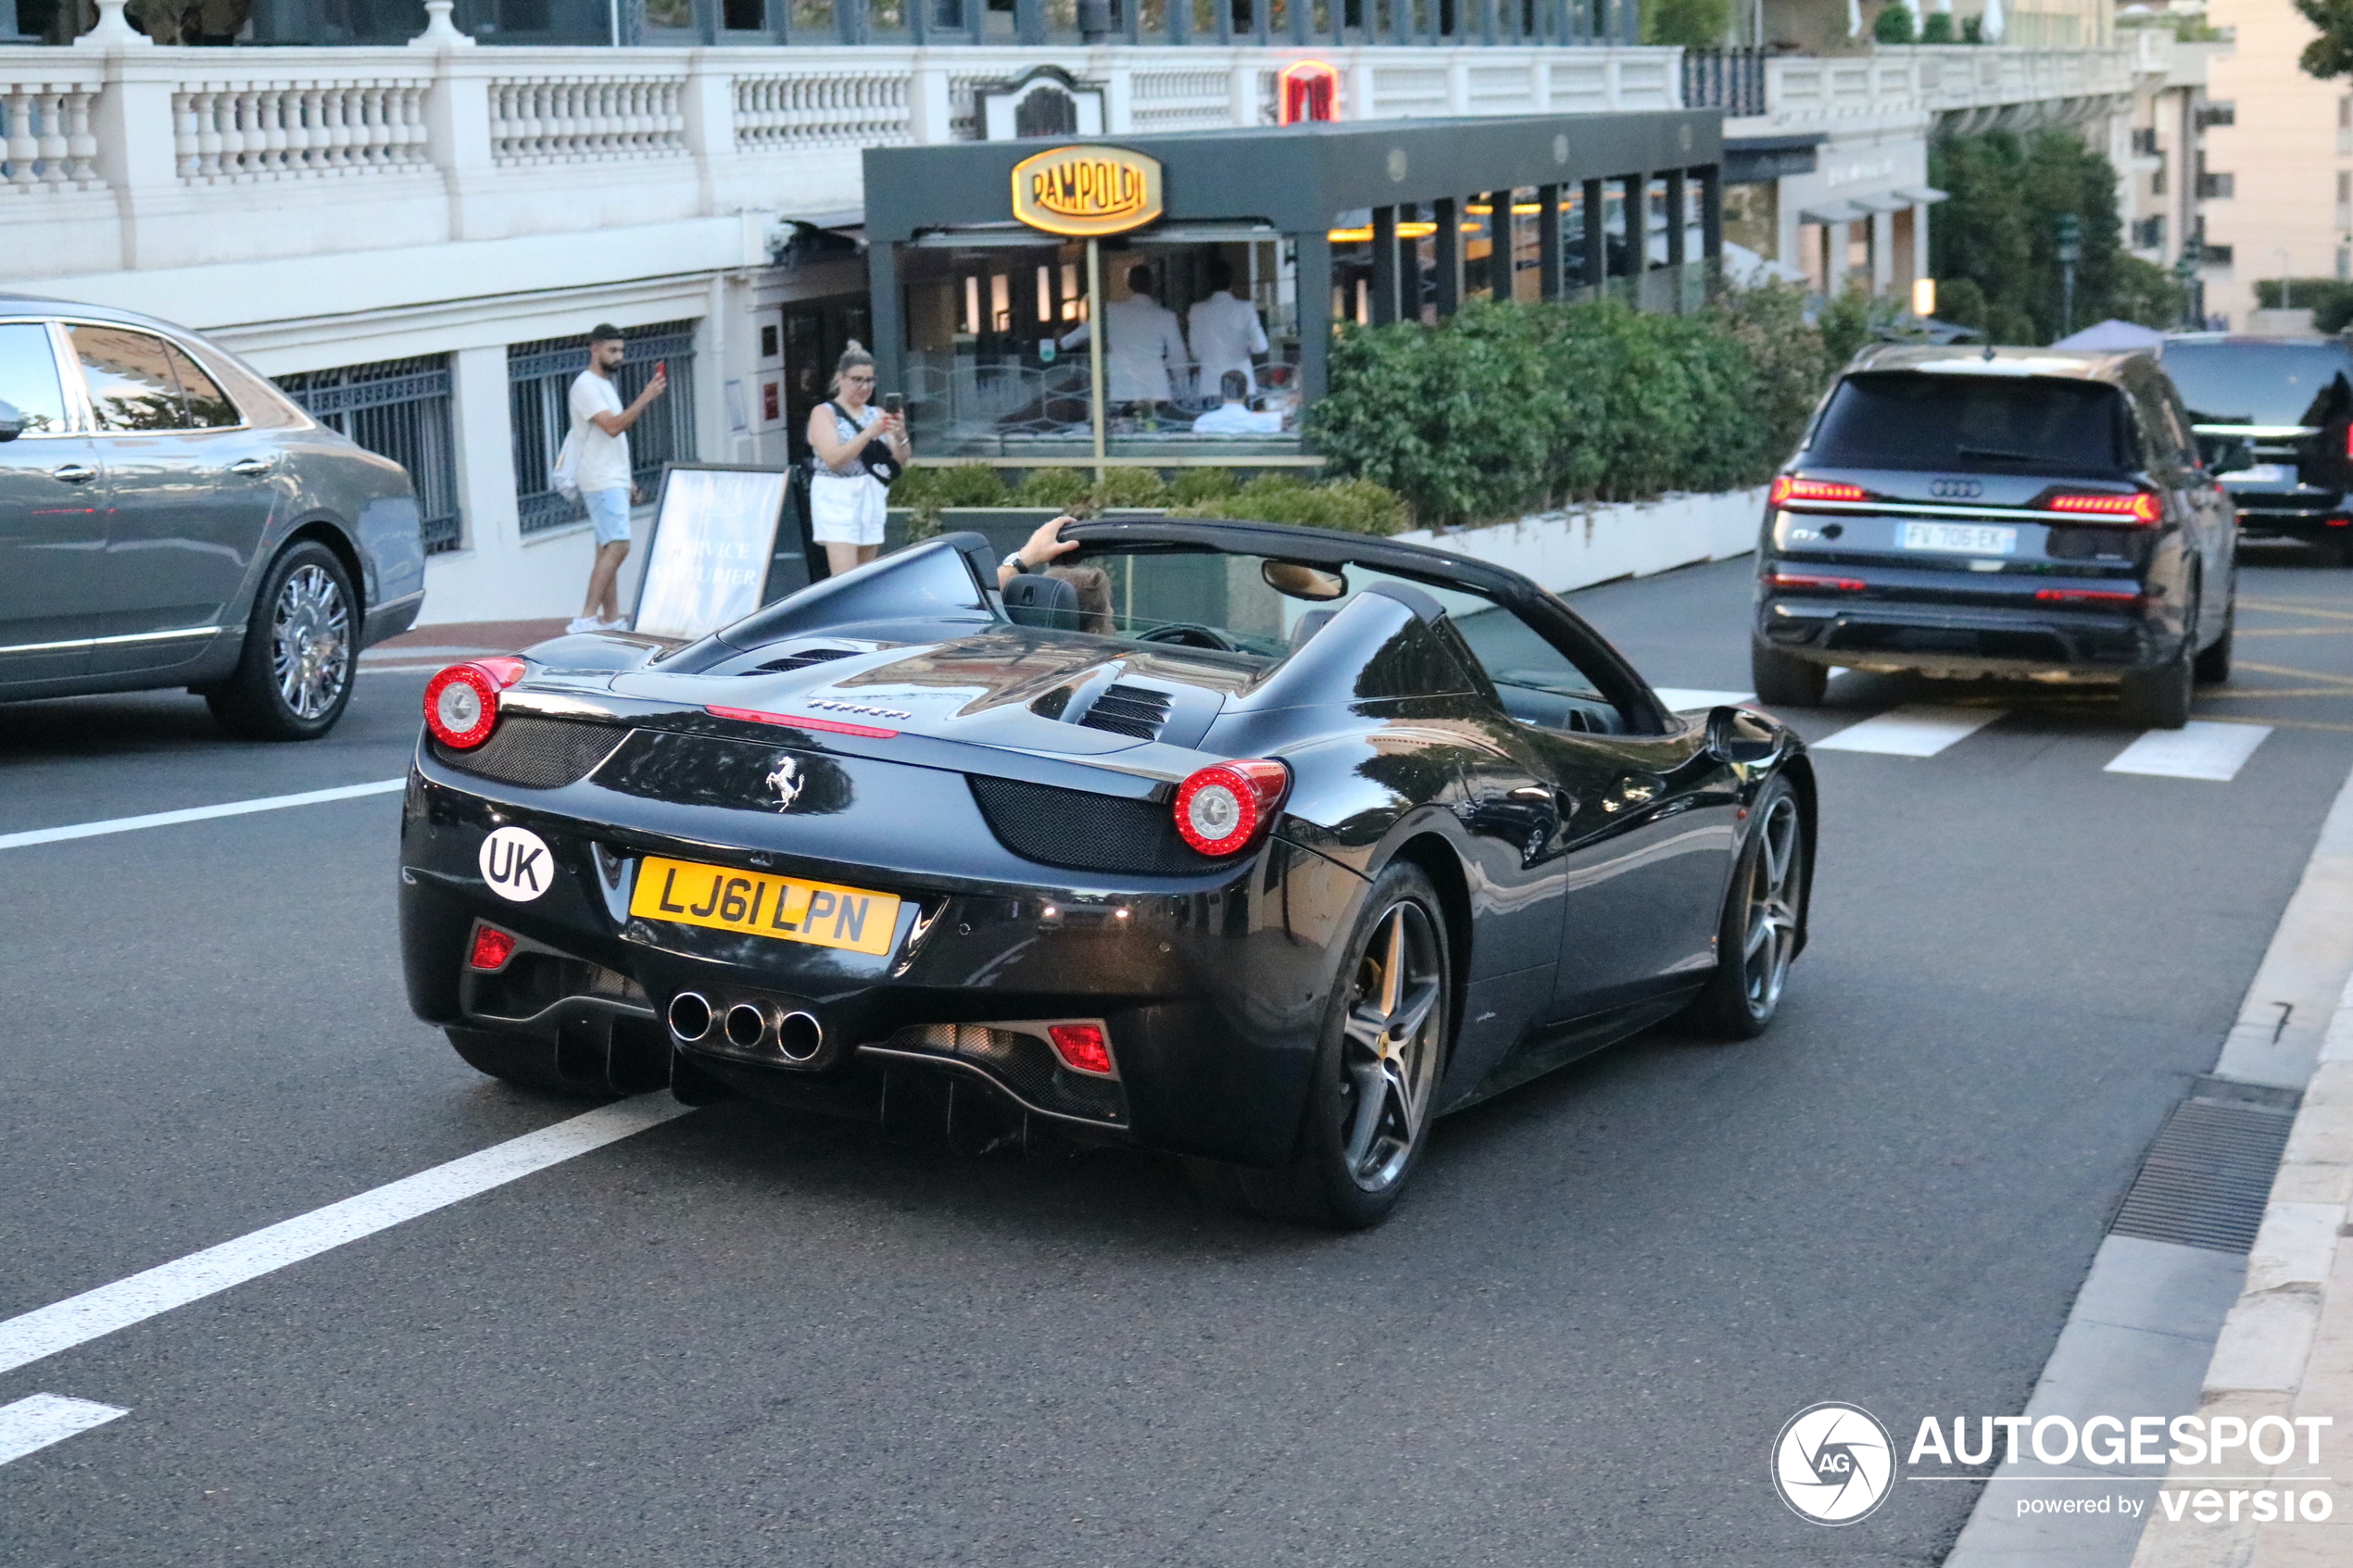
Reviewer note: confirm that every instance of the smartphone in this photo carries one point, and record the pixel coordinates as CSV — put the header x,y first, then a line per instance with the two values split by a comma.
x,y
893,403
662,368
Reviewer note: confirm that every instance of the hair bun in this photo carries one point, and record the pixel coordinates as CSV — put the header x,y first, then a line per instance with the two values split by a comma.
x,y
854,347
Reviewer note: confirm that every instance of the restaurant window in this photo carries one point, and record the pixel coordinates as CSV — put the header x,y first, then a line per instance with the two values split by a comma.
x,y
1000,344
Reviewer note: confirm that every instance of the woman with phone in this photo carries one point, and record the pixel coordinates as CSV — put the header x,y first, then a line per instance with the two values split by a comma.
x,y
849,437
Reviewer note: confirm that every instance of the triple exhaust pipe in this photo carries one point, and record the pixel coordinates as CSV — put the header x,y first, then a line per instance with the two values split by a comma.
x,y
749,1027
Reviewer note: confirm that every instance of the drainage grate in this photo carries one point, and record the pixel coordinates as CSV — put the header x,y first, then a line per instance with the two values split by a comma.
x,y
2207,1177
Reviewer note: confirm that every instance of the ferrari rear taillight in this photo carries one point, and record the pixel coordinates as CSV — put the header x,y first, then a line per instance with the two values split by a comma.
x,y
1788,487
1082,1047
493,948
2140,508
462,703
1221,809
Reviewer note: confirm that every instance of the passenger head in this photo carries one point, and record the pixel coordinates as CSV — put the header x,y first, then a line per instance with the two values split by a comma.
x,y
1092,584
1233,386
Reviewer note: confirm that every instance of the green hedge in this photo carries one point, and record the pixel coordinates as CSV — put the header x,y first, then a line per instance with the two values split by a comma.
x,y
1506,407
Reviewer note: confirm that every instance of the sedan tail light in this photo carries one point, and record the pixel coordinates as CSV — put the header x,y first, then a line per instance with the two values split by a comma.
x,y
1221,809
1814,580
2139,508
1788,487
462,703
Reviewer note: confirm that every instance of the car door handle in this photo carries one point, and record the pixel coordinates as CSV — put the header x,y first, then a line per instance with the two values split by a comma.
x,y
252,468
73,474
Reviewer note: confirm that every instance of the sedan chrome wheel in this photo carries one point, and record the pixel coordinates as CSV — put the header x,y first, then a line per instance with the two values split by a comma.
x,y
311,642
1768,938
1390,1047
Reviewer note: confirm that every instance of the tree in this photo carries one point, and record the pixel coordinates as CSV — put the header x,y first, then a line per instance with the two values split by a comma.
x,y
1999,232
2331,53
1894,24
1694,24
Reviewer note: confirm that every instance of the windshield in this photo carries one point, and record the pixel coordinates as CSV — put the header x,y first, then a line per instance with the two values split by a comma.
x,y
1215,600
1898,419
2261,384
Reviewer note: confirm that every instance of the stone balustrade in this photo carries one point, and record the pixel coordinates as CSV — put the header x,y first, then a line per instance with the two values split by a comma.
x,y
1964,87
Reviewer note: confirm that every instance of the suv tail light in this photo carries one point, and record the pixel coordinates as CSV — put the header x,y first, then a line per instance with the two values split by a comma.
x,y
1222,807
2139,508
1788,487
462,703
1815,579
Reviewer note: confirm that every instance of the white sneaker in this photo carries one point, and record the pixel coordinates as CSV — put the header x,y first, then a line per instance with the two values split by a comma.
x,y
618,623
584,623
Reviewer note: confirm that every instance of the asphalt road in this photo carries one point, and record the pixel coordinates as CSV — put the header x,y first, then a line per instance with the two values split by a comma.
x,y
747,1337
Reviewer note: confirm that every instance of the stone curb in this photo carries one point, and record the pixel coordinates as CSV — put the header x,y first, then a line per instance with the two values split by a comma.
x,y
2285,1349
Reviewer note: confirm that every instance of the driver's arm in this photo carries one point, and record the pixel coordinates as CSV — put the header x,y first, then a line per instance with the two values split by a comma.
x,y
1041,549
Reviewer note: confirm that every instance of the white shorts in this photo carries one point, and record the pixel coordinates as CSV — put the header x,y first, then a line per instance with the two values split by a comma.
x,y
847,511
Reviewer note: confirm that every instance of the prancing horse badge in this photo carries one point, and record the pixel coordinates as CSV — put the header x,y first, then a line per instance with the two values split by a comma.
x,y
787,782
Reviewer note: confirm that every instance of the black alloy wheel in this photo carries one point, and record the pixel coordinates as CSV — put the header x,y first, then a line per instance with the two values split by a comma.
x,y
1757,938
302,650
1386,1034
1785,681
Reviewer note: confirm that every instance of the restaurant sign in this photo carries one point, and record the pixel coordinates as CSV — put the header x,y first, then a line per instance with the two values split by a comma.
x,y
1086,191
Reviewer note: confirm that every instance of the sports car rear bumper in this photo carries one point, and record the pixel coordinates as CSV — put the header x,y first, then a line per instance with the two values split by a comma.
x,y
1211,986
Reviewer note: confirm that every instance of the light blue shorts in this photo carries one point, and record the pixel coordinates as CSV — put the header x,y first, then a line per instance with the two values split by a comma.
x,y
608,510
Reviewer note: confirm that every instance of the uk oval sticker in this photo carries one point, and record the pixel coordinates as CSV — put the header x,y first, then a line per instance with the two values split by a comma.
x,y
517,864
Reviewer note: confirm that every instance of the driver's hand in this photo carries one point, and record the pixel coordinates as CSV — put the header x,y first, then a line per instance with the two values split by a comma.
x,y
1047,543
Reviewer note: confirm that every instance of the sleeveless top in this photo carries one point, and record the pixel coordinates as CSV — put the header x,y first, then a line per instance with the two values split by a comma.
x,y
844,430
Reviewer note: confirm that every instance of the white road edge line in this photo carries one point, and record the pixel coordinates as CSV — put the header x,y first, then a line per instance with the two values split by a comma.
x,y
196,813
77,1320
1919,731
31,1425
2199,749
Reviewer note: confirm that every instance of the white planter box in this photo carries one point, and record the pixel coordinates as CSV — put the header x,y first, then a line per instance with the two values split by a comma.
x,y
1576,549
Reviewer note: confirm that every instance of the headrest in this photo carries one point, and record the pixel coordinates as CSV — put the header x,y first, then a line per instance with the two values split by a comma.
x,y
1309,625
1035,599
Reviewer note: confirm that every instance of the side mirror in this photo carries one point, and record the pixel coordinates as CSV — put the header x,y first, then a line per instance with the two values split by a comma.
x,y
11,422
1737,736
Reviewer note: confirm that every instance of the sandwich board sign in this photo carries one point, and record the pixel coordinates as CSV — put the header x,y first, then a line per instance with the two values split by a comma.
x,y
714,536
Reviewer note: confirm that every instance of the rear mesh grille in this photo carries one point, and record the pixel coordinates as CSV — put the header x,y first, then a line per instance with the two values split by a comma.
x,y
1128,710
536,753
1080,831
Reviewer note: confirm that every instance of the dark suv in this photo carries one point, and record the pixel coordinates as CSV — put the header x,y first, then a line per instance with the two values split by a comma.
x,y
2274,418
1998,511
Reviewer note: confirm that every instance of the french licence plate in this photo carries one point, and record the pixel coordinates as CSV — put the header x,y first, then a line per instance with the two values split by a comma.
x,y
816,912
1961,538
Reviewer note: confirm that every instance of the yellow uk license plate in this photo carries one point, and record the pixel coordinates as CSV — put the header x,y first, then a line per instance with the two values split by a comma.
x,y
790,910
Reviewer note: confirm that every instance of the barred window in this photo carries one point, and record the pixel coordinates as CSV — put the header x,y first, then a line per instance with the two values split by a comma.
x,y
540,377
396,409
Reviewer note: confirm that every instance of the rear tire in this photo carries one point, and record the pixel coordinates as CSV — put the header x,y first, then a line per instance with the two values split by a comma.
x,y
2213,665
1386,1031
1756,939
302,649
524,1060
1785,681
2159,698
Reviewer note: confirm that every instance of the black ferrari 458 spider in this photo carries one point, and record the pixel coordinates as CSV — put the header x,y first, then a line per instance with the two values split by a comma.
x,y
1259,846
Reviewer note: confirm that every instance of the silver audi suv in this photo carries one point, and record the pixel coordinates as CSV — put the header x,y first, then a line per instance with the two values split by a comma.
x,y
168,518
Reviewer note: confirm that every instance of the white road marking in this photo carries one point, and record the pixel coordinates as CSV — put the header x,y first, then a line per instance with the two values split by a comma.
x,y
34,1424
437,664
196,813
2199,749
1677,698
77,1320
385,655
1921,731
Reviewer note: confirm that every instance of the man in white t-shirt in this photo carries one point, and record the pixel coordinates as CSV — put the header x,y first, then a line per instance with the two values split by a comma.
x,y
1225,332
601,469
1143,346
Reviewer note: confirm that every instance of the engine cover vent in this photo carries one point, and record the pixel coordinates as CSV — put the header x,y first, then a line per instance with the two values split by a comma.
x,y
800,660
1128,710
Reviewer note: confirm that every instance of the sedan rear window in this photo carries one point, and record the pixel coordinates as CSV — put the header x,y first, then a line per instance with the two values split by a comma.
x,y
2261,384
1905,419
28,378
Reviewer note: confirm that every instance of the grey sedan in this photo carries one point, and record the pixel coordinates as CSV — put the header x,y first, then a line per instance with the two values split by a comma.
x,y
168,518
